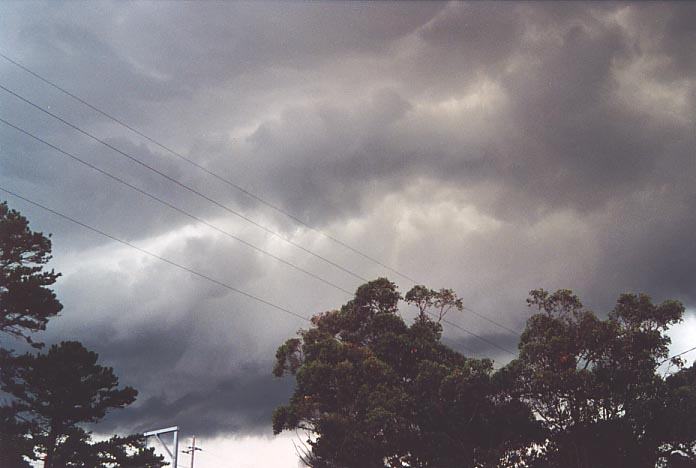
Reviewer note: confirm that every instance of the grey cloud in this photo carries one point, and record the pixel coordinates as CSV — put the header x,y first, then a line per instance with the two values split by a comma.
x,y
649,248
479,347
577,144
180,339
478,34
492,148
240,404
240,38
665,31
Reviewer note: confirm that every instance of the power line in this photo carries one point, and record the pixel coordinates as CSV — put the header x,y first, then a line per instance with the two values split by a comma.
x,y
170,262
173,207
229,182
677,355
514,332
485,340
215,202
208,453
181,184
203,168
212,226
192,450
154,255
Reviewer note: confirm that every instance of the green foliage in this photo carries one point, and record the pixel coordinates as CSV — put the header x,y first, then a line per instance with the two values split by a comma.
x,y
372,391
14,439
54,392
127,452
441,301
593,383
76,450
26,302
60,389
675,420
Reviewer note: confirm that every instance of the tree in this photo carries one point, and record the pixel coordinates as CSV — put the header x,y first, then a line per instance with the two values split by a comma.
x,y
14,439
26,302
374,392
26,305
127,452
426,300
675,424
76,450
53,392
593,383
60,389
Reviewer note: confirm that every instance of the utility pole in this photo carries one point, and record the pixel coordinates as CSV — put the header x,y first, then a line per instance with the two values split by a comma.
x,y
173,454
192,449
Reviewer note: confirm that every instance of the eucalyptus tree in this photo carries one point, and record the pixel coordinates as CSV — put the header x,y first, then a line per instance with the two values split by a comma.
x,y
595,387
373,391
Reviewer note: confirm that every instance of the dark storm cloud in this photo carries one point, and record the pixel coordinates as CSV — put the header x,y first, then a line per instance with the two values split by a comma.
x,y
177,338
242,38
480,347
474,35
489,147
665,30
31,167
105,64
239,404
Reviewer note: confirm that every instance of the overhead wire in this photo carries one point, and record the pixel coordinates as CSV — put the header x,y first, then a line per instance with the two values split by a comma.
x,y
215,202
153,255
485,340
228,182
679,354
196,218
494,322
207,453
172,206
203,168
163,259
181,184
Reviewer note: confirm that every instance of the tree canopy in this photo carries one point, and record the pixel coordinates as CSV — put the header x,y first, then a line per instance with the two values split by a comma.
x,y
77,450
594,383
372,391
54,393
15,442
60,389
26,302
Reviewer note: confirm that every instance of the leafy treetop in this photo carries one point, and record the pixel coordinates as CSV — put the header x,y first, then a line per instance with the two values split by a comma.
x,y
372,391
60,389
593,383
26,302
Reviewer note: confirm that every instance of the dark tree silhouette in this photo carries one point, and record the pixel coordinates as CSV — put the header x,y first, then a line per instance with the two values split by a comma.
x,y
128,452
675,420
60,389
374,392
14,439
26,302
594,384
56,391
76,450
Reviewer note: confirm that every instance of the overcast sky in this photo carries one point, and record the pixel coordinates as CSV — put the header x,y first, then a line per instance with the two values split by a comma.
x,y
490,148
